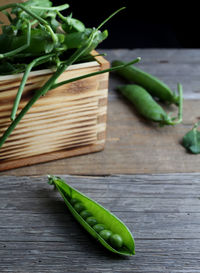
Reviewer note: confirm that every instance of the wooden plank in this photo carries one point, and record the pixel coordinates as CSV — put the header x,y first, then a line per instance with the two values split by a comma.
x,y
37,234
170,65
132,146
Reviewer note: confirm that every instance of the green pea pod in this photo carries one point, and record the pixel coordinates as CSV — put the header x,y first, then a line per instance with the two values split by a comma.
x,y
101,214
152,84
147,106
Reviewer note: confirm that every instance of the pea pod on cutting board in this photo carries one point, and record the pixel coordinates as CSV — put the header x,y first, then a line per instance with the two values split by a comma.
x,y
104,226
152,84
148,107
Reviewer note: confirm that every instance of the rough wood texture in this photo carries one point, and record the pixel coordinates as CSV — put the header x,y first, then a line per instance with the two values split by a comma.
x,y
134,145
37,233
68,121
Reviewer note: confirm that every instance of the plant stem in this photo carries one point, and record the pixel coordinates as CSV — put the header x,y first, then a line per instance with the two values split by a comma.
x,y
180,108
57,8
61,16
95,73
8,16
40,60
107,19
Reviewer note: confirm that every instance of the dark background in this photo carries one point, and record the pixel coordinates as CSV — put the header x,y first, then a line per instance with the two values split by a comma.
x,y
162,24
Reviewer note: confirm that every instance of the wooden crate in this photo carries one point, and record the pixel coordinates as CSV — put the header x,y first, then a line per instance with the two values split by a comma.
x,y
67,121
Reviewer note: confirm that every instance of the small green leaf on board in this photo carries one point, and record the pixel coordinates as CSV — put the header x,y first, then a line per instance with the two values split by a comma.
x,y
191,140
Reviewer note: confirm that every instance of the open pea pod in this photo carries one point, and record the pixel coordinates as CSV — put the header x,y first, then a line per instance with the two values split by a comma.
x,y
102,216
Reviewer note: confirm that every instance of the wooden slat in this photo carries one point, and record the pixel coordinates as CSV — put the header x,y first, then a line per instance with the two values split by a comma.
x,y
10,164
72,69
50,113
38,234
34,150
73,134
72,104
45,124
46,104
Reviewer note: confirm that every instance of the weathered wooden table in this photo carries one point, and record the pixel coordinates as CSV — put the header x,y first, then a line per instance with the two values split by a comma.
x,y
144,176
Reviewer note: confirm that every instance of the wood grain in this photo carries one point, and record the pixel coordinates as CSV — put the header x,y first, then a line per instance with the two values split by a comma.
x,y
38,234
54,126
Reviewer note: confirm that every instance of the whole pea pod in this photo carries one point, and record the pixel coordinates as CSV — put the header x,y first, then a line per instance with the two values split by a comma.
x,y
152,84
104,226
147,106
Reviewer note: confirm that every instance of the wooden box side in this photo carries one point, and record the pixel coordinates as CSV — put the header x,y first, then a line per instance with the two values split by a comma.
x,y
100,83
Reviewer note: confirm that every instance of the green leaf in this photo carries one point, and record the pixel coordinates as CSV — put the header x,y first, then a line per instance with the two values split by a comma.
x,y
48,47
9,29
6,68
191,140
77,39
28,4
50,17
99,37
73,25
102,215
5,42
40,42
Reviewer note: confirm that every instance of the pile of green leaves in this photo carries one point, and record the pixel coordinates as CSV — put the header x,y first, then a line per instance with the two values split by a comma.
x,y
36,28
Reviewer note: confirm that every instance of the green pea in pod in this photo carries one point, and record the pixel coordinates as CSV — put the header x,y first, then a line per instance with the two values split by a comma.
x,y
148,107
123,244
151,83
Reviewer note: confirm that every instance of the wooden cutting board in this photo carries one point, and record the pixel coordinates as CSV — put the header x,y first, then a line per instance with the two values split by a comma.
x,y
38,234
